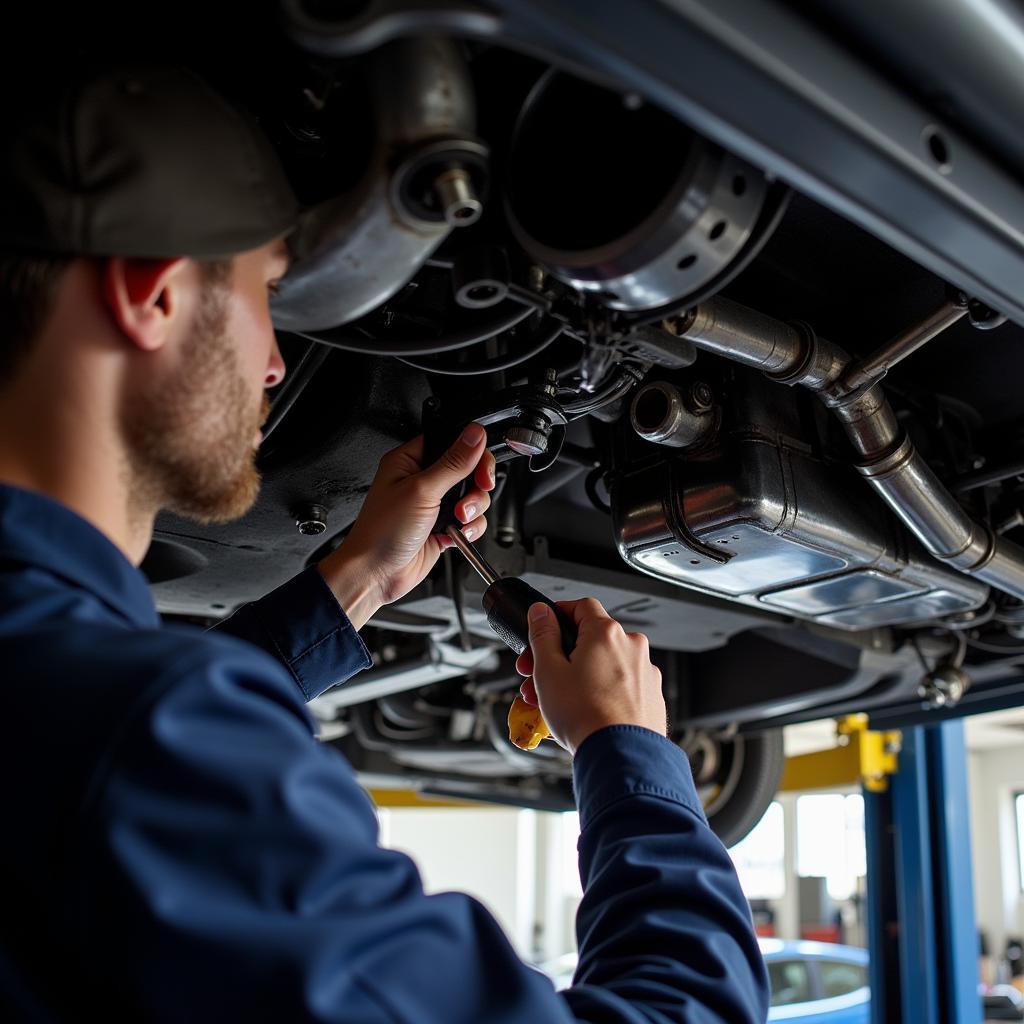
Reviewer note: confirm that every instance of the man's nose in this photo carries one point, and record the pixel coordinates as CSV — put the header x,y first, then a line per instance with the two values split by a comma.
x,y
275,368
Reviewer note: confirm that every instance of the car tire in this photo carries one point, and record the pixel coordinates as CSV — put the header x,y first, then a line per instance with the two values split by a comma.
x,y
746,781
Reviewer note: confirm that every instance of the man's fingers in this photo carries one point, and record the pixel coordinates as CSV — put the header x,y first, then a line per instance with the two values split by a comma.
x,y
483,476
475,529
474,504
545,636
528,691
524,663
640,639
589,615
456,463
413,448
402,461
584,609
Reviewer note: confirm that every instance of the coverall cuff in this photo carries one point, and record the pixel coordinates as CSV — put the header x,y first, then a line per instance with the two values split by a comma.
x,y
311,634
623,761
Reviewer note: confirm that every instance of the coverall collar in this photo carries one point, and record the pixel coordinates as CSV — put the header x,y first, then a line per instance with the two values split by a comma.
x,y
36,530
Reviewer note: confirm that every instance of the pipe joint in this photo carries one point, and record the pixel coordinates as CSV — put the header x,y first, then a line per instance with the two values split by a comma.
x,y
890,462
801,355
979,554
822,363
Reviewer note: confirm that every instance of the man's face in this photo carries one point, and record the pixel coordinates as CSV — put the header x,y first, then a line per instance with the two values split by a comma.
x,y
193,435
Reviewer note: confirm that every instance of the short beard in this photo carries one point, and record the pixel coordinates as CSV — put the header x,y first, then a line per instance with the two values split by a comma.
x,y
190,438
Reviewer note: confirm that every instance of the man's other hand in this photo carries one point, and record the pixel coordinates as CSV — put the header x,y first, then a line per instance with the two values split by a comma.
x,y
390,548
607,680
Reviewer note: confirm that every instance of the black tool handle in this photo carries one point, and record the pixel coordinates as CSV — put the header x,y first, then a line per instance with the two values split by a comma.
x,y
439,435
506,602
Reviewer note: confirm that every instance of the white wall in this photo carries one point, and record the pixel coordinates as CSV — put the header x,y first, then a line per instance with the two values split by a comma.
x,y
490,853
520,864
993,777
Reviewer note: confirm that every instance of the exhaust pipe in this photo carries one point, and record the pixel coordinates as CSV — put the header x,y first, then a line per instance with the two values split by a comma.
x,y
661,414
888,460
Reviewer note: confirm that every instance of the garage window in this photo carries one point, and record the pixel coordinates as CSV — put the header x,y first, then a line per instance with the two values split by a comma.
x,y
1019,801
830,841
760,858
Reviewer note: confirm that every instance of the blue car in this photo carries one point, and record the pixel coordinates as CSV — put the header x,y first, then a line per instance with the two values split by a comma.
x,y
817,982
812,982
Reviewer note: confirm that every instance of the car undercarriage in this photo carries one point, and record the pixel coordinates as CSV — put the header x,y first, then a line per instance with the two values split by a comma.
x,y
735,303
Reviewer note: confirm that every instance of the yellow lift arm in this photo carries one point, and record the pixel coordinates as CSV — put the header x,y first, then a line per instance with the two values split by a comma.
x,y
862,757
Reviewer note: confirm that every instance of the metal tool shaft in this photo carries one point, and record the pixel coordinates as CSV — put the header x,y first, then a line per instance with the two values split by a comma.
x,y
475,559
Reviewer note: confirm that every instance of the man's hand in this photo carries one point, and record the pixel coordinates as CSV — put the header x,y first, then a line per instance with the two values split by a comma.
x,y
390,548
608,680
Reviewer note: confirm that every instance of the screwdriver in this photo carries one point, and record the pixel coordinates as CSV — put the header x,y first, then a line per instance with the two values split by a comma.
x,y
507,599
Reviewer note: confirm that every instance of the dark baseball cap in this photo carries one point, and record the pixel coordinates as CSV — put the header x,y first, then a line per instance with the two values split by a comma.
x,y
139,162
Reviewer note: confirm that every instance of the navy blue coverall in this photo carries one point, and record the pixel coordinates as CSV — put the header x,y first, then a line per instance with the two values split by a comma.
x,y
179,847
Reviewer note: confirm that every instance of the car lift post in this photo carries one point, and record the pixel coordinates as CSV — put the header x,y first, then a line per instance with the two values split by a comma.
x,y
922,933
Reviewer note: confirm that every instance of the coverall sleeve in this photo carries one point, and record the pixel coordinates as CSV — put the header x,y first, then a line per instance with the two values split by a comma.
x,y
664,930
232,865
301,625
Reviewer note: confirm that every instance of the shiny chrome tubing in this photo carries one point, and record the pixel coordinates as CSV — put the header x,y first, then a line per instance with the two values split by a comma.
x,y
930,512
916,495
882,360
475,559
741,334
868,420
1005,569
889,461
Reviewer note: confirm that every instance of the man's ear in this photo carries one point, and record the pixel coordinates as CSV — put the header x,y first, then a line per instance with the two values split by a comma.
x,y
143,297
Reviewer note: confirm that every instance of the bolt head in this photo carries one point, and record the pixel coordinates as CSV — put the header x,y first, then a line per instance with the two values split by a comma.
x,y
311,520
945,686
701,397
526,440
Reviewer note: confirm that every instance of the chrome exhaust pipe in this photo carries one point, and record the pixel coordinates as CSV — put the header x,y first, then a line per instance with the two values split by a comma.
x,y
888,460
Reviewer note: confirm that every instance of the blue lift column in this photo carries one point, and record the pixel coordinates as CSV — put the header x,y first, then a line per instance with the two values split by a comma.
x,y
920,891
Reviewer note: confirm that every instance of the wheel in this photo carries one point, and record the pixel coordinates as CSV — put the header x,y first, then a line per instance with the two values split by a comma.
x,y
737,778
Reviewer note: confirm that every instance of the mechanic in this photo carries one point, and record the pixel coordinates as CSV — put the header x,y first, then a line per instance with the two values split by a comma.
x,y
179,845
